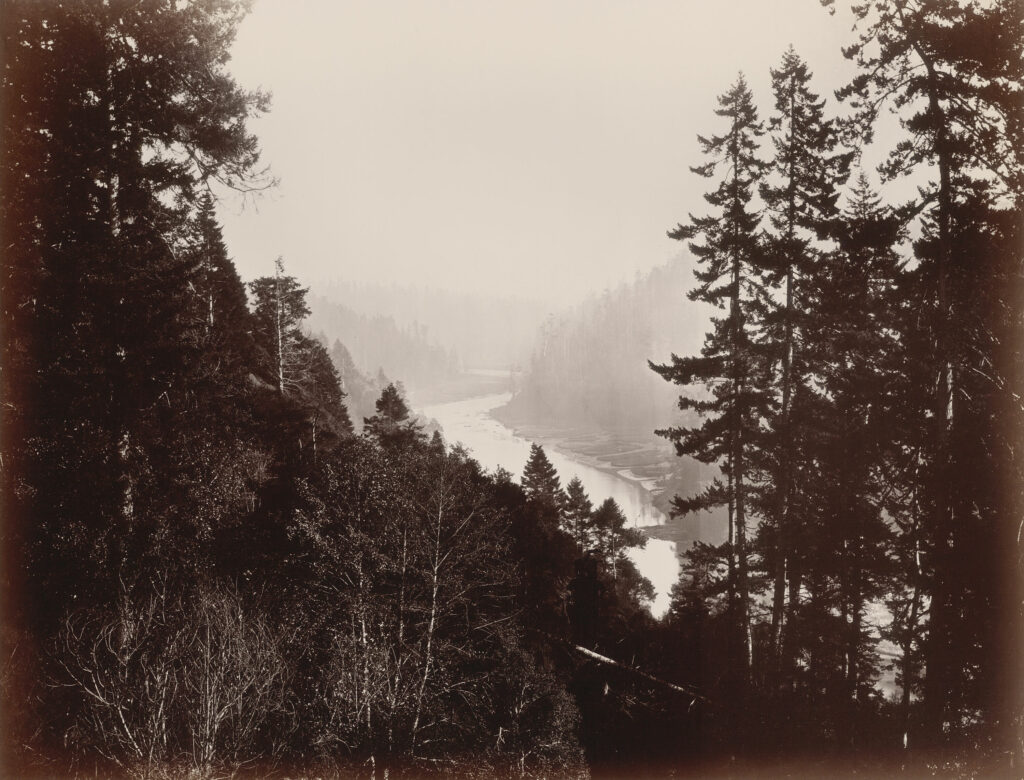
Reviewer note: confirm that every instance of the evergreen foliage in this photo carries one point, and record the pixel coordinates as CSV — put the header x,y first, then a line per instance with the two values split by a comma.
x,y
541,482
578,514
198,550
882,542
732,364
206,573
392,426
952,72
801,203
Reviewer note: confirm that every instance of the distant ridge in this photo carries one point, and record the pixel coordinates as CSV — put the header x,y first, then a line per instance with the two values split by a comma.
x,y
486,331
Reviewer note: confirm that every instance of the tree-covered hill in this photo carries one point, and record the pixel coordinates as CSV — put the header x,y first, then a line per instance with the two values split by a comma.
x,y
208,572
493,331
378,344
589,367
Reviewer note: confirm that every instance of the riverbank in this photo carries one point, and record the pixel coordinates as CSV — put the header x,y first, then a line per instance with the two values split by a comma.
x,y
645,459
469,422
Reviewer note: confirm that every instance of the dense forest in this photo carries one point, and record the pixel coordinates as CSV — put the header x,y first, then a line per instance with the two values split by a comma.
x,y
861,394
207,571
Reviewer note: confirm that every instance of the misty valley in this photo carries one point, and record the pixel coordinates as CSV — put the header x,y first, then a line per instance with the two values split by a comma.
x,y
370,432
602,433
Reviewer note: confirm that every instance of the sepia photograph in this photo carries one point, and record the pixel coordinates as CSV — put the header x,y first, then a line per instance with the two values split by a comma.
x,y
505,389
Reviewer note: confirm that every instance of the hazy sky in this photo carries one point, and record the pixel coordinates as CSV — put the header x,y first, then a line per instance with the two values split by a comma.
x,y
531,148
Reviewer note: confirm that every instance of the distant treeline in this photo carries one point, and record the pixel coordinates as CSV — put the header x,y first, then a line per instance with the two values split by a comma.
x,y
590,367
378,344
485,331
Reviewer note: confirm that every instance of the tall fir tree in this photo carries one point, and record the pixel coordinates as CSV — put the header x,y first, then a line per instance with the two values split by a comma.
x,y
801,201
731,365
221,322
856,314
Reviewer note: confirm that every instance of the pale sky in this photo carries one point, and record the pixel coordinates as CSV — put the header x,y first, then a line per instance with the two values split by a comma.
x,y
534,148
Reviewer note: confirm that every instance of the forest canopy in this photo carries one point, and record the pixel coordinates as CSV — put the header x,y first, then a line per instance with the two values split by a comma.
x,y
207,571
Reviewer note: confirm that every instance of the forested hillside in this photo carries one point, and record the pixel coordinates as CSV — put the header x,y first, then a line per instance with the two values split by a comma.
x,y
485,331
589,367
205,570
208,572
378,344
361,390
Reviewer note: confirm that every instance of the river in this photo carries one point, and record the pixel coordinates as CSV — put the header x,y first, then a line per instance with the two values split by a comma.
x,y
468,421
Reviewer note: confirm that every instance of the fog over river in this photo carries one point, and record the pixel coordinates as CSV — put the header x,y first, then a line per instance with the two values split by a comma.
x,y
493,444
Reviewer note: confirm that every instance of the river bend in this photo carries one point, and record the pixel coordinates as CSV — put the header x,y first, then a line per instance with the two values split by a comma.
x,y
469,422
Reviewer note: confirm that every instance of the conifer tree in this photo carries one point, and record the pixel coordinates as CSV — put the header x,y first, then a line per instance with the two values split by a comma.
x,y
854,347
577,514
801,201
540,480
298,366
731,365
321,389
278,311
392,426
611,535
218,284
221,313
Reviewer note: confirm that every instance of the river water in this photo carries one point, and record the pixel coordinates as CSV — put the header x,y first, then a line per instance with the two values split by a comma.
x,y
468,422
